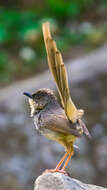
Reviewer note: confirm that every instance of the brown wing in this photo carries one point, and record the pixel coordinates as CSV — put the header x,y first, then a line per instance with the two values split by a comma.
x,y
58,70
60,124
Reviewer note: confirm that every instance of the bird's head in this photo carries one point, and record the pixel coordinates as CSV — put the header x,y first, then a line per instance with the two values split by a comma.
x,y
40,99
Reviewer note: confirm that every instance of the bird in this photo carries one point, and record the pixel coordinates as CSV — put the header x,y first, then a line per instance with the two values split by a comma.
x,y
59,122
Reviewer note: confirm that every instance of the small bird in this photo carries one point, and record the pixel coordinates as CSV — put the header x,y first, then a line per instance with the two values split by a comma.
x,y
59,123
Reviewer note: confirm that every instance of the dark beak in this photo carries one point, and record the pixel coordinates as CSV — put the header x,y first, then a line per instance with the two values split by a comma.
x,y
28,95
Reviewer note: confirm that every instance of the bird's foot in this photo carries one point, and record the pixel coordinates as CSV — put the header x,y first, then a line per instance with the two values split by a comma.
x,y
56,170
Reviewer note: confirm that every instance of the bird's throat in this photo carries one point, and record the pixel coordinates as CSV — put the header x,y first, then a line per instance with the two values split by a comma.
x,y
33,107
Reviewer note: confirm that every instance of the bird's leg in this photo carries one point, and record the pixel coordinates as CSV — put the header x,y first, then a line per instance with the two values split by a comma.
x,y
58,166
62,160
67,161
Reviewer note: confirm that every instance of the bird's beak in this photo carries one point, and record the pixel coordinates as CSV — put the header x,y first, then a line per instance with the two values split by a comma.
x,y
28,95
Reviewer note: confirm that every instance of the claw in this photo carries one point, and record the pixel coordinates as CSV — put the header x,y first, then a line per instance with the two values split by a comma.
x,y
56,170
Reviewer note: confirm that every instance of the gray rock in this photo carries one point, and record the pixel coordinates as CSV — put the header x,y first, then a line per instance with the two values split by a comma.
x,y
58,181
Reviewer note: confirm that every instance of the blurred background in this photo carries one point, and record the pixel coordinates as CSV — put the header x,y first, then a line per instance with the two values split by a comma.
x,y
79,28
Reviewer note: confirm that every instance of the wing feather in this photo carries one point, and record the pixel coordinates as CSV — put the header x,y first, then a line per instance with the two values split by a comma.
x,y
60,124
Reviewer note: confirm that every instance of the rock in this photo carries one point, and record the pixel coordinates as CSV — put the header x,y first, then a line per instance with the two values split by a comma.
x,y
58,181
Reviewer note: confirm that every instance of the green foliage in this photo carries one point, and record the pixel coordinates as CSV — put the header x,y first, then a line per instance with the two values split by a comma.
x,y
3,61
12,23
21,40
4,67
68,9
